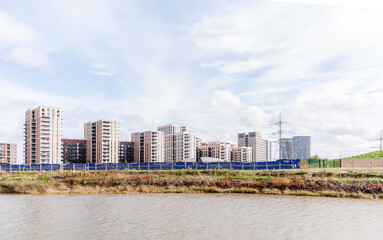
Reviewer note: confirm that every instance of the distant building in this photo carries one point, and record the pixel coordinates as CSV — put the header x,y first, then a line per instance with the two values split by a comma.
x,y
184,146
301,147
42,135
101,141
148,146
198,143
286,148
125,152
255,141
73,151
241,154
269,150
219,150
179,144
298,147
8,153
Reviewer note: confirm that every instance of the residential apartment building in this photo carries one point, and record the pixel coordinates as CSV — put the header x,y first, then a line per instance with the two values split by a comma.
x,y
241,154
179,144
298,147
184,146
42,135
255,141
101,141
73,151
125,152
198,143
8,153
148,146
301,147
286,148
219,150
171,129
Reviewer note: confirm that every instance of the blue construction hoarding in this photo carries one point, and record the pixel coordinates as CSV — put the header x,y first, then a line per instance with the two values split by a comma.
x,y
274,165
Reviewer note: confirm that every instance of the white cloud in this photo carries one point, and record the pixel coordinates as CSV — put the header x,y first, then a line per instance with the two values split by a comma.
x,y
104,70
321,66
27,56
324,71
14,32
236,66
19,42
254,117
344,3
224,103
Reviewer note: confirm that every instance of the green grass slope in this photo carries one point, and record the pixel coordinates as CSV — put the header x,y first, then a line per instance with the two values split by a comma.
x,y
376,154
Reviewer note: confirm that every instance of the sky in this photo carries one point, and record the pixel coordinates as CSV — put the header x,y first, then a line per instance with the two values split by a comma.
x,y
219,67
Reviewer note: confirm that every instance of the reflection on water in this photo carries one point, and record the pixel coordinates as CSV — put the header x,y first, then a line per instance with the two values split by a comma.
x,y
187,216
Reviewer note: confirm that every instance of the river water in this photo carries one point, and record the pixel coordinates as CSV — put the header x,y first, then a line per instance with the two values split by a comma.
x,y
188,216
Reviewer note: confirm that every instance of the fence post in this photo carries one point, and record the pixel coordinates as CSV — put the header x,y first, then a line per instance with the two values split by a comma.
x,y
149,166
73,167
95,166
242,166
40,166
207,165
161,166
231,165
279,165
10,167
172,166
266,166
139,166
185,166
254,165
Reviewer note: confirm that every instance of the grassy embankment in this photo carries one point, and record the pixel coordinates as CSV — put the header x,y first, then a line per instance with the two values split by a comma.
x,y
335,163
299,182
371,155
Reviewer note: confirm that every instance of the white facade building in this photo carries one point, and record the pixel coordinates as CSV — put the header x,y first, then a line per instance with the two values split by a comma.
x,y
269,150
179,144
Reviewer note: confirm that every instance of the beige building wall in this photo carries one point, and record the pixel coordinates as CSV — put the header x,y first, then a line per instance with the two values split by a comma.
x,y
148,146
350,163
8,153
101,141
255,141
42,136
241,154
220,150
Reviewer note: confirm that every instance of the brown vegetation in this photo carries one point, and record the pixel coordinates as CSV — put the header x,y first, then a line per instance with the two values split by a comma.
x,y
302,183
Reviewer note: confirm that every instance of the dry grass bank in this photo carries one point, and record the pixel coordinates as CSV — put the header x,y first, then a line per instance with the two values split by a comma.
x,y
298,182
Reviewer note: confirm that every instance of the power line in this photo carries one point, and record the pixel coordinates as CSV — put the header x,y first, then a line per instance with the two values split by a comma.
x,y
380,141
279,133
